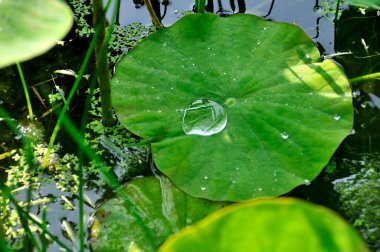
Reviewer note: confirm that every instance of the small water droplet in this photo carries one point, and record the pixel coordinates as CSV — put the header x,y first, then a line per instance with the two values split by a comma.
x,y
206,177
204,117
233,182
258,42
172,88
353,132
284,135
307,182
159,111
307,56
356,93
176,12
203,188
259,189
237,168
311,92
337,117
193,64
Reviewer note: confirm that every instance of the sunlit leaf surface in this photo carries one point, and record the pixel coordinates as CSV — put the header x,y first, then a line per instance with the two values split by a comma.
x,y
236,107
29,28
268,226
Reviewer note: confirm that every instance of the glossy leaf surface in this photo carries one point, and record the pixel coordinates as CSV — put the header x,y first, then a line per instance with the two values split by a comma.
x,y
30,28
240,101
374,4
268,226
164,210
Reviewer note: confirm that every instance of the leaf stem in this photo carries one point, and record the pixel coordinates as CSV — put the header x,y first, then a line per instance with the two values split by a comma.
x,y
102,63
153,15
200,6
365,77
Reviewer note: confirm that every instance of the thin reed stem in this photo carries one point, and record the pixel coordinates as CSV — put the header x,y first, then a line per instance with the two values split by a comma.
x,y
26,93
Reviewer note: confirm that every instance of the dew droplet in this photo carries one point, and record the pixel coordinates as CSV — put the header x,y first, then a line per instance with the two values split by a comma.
x,y
284,135
259,189
237,168
203,188
307,56
307,182
204,117
233,182
337,117
176,12
205,177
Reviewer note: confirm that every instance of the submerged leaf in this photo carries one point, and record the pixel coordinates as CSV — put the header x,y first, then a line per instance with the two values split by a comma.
x,y
240,100
268,226
30,28
163,208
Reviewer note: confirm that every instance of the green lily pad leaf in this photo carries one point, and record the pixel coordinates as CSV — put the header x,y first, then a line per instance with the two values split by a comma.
x,y
163,208
268,226
239,100
30,28
372,4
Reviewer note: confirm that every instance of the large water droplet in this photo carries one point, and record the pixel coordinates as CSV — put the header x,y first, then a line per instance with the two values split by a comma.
x,y
204,117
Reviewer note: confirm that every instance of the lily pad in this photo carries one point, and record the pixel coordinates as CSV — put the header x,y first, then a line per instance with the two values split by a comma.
x,y
241,101
372,4
268,226
30,28
163,208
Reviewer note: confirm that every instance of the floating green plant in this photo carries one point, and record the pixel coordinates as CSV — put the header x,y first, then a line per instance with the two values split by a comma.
x,y
30,28
257,114
268,225
164,208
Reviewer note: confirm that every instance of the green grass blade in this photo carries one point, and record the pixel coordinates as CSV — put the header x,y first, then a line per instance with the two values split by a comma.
x,y
25,87
73,90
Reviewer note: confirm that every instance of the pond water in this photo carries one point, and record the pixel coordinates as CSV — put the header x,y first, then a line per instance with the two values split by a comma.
x,y
352,41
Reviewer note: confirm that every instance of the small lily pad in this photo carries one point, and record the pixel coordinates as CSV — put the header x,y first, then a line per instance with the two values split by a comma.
x,y
240,100
163,208
30,28
268,226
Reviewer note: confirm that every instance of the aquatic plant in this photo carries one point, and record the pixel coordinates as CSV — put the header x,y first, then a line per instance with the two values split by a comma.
x,y
201,98
51,18
360,197
249,226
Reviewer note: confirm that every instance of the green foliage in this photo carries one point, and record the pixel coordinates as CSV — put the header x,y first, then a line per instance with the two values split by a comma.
x,y
122,39
268,226
371,4
125,38
197,95
62,169
30,28
165,210
82,11
360,197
